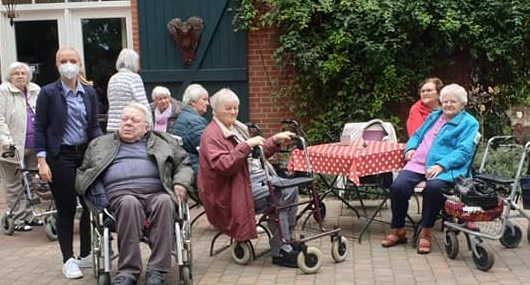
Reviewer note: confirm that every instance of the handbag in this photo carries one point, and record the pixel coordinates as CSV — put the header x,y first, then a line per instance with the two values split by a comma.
x,y
476,192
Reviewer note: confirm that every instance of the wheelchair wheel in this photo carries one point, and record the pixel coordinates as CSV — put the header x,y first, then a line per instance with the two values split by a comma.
x,y
104,279
8,224
484,259
311,261
242,252
185,275
97,259
451,244
51,228
511,239
339,249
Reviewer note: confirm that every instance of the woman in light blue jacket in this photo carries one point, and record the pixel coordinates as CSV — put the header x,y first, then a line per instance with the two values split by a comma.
x,y
438,152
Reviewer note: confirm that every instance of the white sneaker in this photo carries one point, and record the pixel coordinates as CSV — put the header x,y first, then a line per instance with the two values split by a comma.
x,y
71,270
85,262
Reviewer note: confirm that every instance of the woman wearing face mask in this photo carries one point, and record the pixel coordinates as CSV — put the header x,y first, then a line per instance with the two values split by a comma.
x,y
65,122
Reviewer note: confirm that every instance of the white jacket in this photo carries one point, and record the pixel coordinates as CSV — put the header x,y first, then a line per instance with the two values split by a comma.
x,y
13,114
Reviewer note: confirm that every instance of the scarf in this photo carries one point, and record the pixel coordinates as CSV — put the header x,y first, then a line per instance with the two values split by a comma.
x,y
162,118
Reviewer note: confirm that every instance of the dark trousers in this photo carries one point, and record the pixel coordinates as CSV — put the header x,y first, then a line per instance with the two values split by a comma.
x,y
403,188
131,211
286,217
63,168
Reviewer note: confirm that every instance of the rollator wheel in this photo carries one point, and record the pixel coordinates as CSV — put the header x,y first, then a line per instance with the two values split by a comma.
x,y
322,207
339,249
51,228
511,239
242,252
311,261
185,275
451,244
104,279
485,258
8,225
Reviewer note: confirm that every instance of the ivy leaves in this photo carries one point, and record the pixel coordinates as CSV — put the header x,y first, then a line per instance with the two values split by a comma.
x,y
355,59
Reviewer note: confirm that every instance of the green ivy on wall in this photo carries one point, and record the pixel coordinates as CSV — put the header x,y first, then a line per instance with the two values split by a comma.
x,y
352,60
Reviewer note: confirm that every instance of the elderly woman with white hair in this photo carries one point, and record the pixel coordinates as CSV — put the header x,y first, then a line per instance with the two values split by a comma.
x,y
190,123
124,87
230,180
438,152
165,109
18,97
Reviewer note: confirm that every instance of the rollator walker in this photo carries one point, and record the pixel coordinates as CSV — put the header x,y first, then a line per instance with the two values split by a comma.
x,y
36,191
309,259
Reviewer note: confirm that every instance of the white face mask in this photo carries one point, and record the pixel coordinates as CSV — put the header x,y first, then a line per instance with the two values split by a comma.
x,y
69,70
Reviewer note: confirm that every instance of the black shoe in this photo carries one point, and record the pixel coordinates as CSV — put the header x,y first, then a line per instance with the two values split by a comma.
x,y
34,222
123,280
154,278
23,228
297,246
286,259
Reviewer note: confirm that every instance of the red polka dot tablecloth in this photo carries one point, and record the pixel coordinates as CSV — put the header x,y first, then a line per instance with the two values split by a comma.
x,y
354,160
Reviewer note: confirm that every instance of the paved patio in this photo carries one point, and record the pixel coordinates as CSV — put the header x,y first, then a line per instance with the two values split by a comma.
x,y
29,258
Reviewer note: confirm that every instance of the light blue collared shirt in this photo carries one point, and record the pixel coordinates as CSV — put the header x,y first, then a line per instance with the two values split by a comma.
x,y
76,122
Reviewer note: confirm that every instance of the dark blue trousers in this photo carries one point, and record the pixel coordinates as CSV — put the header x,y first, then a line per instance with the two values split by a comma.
x,y
403,188
63,168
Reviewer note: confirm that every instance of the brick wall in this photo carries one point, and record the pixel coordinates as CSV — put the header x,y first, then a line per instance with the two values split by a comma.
x,y
263,78
135,28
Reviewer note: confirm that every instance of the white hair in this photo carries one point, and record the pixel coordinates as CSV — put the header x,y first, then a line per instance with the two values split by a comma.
x,y
18,64
454,89
128,59
221,97
160,91
143,109
193,93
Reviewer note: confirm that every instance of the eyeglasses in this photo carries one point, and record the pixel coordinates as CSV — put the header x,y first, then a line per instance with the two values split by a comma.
x,y
135,120
18,73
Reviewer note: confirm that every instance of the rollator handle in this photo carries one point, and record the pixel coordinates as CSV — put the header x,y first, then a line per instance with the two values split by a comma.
x,y
10,152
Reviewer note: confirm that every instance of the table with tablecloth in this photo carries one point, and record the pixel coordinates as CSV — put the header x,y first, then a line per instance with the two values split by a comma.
x,y
354,160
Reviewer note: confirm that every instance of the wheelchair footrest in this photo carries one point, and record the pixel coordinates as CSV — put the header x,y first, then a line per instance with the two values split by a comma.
x,y
292,182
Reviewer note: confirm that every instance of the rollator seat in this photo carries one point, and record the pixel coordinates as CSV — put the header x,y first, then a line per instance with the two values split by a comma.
x,y
292,182
495,178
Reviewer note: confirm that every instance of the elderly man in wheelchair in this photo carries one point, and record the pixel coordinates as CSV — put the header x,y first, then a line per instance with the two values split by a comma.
x,y
138,175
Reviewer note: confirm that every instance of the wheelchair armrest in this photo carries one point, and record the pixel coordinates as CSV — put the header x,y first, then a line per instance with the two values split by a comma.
x,y
495,178
292,182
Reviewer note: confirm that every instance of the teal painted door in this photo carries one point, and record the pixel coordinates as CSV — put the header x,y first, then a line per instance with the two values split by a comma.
x,y
221,54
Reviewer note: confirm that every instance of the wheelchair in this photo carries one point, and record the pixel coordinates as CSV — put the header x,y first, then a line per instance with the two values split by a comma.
x,y
102,225
309,259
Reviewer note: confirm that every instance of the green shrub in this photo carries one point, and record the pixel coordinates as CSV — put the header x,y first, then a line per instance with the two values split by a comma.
x,y
353,60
